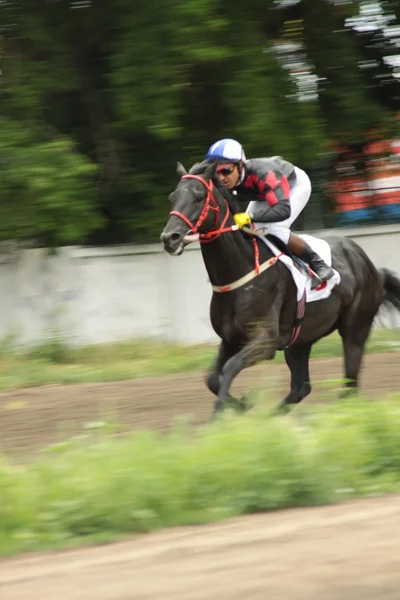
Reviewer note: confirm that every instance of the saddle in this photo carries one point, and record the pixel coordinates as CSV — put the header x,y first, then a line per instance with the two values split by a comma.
x,y
282,247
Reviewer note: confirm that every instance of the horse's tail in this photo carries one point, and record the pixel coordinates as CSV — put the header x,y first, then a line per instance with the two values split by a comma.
x,y
391,287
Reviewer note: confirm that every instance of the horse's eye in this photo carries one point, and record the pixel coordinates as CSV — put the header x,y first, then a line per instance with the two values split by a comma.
x,y
199,196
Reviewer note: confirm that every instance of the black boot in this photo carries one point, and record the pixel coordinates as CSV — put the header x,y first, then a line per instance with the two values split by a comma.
x,y
320,268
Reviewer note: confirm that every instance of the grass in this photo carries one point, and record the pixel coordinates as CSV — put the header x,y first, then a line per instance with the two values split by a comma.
x,y
98,487
54,362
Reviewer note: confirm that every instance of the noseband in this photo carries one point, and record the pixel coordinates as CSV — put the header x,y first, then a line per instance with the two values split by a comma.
x,y
210,204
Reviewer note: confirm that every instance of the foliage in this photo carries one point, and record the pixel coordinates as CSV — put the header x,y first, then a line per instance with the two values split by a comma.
x,y
99,486
54,361
100,99
47,190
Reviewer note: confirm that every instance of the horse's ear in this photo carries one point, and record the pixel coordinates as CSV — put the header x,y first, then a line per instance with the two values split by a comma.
x,y
180,169
210,170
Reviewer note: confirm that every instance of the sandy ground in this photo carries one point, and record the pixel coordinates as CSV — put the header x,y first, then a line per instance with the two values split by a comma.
x,y
342,552
35,417
331,553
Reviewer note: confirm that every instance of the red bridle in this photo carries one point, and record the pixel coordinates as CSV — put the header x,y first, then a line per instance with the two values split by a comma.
x,y
209,204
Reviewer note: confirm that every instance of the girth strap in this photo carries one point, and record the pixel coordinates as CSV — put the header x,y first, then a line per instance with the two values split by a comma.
x,y
300,312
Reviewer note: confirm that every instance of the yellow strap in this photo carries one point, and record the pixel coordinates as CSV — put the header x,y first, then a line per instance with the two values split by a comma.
x,y
235,284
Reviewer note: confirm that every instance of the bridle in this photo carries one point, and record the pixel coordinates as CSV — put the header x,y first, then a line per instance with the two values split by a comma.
x,y
210,204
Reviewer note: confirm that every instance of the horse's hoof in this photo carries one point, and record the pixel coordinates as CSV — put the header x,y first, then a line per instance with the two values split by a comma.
x,y
217,413
350,392
283,408
240,407
247,404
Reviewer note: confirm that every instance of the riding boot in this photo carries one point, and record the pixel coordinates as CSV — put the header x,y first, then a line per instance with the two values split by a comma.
x,y
300,248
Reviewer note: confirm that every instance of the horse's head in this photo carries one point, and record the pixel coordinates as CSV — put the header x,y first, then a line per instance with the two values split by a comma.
x,y
198,208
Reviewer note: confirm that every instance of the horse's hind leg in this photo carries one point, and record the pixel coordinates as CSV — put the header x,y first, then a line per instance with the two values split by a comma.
x,y
297,359
354,329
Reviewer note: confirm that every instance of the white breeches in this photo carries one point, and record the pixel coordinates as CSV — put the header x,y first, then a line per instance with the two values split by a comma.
x,y
299,196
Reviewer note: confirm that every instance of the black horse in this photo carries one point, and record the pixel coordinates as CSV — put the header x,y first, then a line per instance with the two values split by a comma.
x,y
254,314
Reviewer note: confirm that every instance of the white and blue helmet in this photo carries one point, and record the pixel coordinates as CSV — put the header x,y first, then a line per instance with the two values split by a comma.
x,y
226,149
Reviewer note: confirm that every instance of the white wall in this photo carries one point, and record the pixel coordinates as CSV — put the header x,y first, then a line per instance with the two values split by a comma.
x,y
103,294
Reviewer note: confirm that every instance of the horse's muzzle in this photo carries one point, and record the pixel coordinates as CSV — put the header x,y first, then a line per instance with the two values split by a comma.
x,y
172,242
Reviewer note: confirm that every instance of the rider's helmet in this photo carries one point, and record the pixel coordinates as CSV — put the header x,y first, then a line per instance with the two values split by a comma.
x,y
227,150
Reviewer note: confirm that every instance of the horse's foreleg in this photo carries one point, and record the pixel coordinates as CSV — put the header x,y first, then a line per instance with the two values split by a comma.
x,y
263,335
256,350
225,352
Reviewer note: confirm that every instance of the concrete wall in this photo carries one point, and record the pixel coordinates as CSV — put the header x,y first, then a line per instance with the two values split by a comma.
x,y
93,295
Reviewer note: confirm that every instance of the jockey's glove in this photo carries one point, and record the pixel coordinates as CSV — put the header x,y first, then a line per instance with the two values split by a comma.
x,y
242,219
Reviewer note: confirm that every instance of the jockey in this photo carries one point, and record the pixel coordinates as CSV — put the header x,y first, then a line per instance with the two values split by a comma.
x,y
277,192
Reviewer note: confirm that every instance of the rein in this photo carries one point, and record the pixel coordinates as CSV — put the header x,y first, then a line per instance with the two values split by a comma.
x,y
211,204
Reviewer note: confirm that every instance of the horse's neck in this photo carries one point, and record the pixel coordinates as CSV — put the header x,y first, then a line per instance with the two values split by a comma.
x,y
229,257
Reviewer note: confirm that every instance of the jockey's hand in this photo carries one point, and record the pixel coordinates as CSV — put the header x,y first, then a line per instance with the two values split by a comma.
x,y
242,219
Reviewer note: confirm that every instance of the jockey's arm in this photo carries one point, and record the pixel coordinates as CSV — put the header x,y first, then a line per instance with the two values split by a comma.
x,y
275,205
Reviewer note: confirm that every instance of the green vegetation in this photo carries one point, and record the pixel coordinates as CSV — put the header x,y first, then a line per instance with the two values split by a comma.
x,y
54,362
90,132
101,486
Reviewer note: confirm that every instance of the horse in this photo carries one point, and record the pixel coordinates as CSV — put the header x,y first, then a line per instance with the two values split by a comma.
x,y
254,302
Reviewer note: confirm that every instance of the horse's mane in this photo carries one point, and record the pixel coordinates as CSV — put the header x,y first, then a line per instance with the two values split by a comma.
x,y
199,167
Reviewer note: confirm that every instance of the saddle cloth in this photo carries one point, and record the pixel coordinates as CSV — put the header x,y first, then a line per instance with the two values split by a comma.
x,y
302,281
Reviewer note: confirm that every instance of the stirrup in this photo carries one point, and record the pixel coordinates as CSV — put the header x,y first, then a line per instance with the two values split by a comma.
x,y
315,281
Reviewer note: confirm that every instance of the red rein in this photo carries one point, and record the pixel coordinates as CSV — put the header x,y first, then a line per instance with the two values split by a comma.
x,y
211,204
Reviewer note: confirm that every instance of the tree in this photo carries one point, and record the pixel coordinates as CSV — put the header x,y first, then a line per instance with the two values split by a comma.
x,y
100,99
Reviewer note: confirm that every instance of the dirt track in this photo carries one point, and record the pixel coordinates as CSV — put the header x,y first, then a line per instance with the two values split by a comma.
x,y
33,418
330,553
334,553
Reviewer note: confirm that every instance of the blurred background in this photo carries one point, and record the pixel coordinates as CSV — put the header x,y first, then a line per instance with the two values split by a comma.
x,y
100,99
103,333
